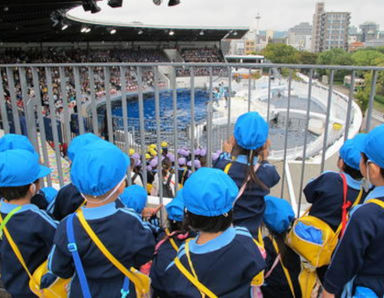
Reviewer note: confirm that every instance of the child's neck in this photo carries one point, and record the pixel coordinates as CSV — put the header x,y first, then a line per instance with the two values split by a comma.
x,y
93,203
21,201
205,237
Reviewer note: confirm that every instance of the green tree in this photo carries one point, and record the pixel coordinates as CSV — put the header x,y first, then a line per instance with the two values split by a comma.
x,y
305,57
335,57
280,53
367,57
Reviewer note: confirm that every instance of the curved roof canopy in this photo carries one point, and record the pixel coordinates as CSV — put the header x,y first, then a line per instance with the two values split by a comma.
x,y
44,21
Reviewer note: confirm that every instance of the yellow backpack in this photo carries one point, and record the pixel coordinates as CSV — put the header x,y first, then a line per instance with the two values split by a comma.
x,y
319,251
59,288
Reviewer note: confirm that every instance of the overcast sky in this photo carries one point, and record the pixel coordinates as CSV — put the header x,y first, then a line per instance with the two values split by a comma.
x,y
275,14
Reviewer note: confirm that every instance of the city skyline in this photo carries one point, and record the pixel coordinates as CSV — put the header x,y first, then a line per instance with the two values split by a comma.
x,y
234,13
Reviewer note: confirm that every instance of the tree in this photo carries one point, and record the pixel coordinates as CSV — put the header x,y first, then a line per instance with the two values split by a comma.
x,y
367,57
335,57
305,57
280,53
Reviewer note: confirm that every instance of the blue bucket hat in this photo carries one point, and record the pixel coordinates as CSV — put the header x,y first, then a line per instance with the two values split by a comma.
x,y
135,197
209,192
175,208
50,193
99,168
13,141
278,214
251,131
79,142
351,150
19,168
374,146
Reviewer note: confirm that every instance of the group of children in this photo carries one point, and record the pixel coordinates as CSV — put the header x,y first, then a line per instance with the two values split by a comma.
x,y
224,236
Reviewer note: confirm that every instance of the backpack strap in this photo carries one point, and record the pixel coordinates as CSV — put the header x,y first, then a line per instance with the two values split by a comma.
x,y
377,202
72,247
227,167
139,283
345,206
171,240
12,243
193,277
286,272
358,199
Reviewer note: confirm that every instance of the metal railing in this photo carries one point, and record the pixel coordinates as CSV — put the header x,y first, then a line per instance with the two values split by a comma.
x,y
54,102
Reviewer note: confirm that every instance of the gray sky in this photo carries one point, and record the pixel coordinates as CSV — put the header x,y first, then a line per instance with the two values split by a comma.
x,y
275,14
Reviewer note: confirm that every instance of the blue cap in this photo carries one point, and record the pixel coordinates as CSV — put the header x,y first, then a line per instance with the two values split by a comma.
x,y
99,168
374,146
351,150
135,197
209,192
50,193
175,209
79,142
251,131
19,168
13,141
278,214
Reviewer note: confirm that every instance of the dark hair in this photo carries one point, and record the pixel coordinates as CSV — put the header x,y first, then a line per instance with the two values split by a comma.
x,y
280,241
208,224
15,192
251,154
165,165
355,174
365,158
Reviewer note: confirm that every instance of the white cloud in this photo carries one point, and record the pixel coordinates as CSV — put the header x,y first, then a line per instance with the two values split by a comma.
x,y
275,14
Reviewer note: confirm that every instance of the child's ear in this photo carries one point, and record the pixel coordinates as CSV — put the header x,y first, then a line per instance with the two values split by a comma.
x,y
374,171
340,163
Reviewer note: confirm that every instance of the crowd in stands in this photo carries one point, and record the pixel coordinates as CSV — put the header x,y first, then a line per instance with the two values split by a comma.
x,y
225,236
56,55
60,55
199,55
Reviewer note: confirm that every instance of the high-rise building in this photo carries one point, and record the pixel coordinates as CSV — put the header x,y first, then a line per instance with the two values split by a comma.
x,y
330,29
300,36
369,31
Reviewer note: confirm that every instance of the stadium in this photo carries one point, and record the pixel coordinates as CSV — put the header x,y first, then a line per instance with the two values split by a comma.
x,y
161,91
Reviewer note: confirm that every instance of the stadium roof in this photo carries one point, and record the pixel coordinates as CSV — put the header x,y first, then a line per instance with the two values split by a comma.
x,y
43,20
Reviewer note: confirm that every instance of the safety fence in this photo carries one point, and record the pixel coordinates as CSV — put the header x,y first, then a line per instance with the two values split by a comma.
x,y
52,103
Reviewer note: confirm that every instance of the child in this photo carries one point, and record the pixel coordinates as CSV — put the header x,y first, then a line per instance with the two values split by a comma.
x,y
135,197
30,228
14,141
99,174
358,262
168,244
223,258
247,145
326,192
168,180
280,281
69,199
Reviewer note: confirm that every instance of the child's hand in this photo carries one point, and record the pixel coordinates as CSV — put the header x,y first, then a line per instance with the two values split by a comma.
x,y
147,212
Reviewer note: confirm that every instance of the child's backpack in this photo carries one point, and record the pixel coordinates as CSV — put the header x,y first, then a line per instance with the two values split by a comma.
x,y
59,288
167,190
314,240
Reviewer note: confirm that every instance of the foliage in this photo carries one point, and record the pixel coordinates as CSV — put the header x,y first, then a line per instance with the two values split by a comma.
x,y
367,57
280,53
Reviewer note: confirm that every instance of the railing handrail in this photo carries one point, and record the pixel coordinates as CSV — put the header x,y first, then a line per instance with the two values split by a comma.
x,y
222,64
